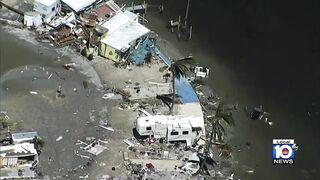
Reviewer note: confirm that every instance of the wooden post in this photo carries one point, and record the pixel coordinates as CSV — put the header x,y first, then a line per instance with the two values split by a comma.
x,y
132,5
187,12
179,23
143,18
145,7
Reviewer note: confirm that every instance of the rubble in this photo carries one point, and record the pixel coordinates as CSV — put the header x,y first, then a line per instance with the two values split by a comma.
x,y
94,148
20,156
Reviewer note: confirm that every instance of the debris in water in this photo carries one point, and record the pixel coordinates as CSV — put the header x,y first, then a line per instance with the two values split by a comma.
x,y
270,123
107,95
107,128
34,92
59,138
50,75
85,84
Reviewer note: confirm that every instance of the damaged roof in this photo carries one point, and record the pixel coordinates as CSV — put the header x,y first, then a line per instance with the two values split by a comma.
x,y
118,20
18,149
125,35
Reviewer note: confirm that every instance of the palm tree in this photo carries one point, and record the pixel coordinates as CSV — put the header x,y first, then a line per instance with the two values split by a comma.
x,y
179,68
217,132
221,116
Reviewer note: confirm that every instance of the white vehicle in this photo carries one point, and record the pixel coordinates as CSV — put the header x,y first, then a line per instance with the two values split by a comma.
x,y
201,71
172,128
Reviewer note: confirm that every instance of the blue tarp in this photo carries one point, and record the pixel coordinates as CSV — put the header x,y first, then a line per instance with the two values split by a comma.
x,y
183,87
185,90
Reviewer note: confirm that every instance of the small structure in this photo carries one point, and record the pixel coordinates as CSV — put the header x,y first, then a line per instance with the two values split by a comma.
x,y
23,137
47,8
123,30
171,128
32,19
78,5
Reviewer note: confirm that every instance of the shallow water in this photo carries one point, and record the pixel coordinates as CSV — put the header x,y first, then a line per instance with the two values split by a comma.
x,y
260,53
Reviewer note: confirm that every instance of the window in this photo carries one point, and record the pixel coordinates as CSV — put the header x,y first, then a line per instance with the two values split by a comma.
x,y
54,8
185,132
148,128
174,133
110,53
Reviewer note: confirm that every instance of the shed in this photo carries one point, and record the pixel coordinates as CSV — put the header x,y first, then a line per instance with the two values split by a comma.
x,y
78,5
32,19
47,8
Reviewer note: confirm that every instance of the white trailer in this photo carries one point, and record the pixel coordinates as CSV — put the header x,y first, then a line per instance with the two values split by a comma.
x,y
172,128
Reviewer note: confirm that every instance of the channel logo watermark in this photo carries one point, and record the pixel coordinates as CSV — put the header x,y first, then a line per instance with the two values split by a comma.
x,y
284,151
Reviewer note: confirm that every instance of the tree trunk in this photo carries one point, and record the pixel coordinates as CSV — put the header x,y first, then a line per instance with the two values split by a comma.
x,y
173,93
209,144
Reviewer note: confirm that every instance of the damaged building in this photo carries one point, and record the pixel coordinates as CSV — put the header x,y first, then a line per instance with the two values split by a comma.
x,y
122,32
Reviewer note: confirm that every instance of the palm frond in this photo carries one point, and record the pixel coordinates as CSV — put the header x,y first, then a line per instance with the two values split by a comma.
x,y
219,128
186,60
227,118
179,70
181,66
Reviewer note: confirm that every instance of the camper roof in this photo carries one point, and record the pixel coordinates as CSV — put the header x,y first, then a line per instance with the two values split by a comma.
x,y
171,120
47,2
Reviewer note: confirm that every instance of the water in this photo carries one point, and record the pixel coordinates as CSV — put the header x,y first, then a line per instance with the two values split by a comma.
x,y
260,52
15,52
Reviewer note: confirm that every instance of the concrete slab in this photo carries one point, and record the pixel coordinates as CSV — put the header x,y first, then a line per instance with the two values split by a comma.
x,y
160,165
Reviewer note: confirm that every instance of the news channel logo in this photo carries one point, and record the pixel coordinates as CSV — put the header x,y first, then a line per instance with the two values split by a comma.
x,y
284,151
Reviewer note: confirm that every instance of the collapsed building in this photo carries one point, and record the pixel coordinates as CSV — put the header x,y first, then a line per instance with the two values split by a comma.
x,y
18,159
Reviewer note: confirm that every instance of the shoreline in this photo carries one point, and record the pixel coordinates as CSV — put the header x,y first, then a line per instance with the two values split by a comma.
x,y
225,87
